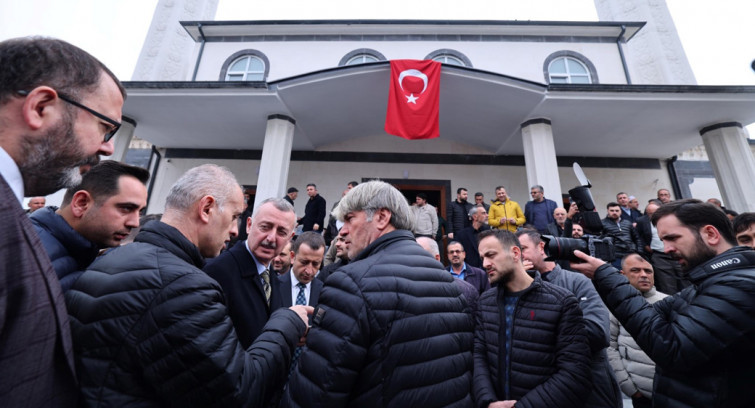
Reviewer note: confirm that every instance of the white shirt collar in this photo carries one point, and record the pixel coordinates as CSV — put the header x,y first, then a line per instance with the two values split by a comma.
x,y
295,281
12,175
260,267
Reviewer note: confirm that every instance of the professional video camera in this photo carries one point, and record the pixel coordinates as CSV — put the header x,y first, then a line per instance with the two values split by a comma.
x,y
557,248
591,243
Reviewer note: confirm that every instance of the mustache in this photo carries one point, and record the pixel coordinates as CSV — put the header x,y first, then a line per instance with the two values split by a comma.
x,y
268,244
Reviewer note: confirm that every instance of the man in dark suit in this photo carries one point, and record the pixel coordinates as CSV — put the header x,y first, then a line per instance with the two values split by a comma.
x,y
46,134
461,270
243,272
314,211
299,286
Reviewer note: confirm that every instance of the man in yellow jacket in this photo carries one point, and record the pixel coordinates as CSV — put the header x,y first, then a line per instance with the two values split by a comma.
x,y
504,213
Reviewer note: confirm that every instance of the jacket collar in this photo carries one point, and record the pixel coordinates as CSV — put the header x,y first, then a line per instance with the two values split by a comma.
x,y
165,236
383,241
78,247
536,283
735,258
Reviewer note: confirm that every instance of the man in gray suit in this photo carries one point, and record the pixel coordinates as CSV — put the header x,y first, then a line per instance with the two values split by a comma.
x,y
59,108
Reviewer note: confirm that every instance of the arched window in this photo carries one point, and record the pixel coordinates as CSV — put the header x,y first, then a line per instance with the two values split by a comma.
x,y
450,57
449,60
361,56
569,67
361,59
246,65
247,68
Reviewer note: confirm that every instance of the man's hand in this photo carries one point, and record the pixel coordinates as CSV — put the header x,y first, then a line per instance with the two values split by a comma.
x,y
512,220
450,235
304,312
573,210
316,227
527,265
587,267
502,404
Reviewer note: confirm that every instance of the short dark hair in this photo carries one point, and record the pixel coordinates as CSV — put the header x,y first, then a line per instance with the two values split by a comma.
x,y
695,214
101,181
500,187
313,240
612,204
422,196
292,190
455,243
655,201
505,237
620,193
352,184
479,194
533,234
460,189
630,255
30,62
312,185
743,221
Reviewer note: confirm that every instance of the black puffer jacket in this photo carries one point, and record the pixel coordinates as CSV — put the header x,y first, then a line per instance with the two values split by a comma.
x,y
457,217
625,237
550,357
393,332
701,339
151,329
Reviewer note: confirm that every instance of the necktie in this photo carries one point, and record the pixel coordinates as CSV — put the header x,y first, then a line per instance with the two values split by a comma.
x,y
300,298
266,285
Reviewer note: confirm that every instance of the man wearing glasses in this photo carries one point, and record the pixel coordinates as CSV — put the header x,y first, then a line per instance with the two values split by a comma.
x,y
59,108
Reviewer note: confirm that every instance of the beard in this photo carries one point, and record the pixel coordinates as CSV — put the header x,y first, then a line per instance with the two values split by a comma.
x,y
700,254
52,162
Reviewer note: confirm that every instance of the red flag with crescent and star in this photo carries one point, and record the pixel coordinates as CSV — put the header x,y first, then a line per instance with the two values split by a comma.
x,y
414,99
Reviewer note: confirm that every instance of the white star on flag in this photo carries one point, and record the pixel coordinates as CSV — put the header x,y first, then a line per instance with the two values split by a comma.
x,y
411,99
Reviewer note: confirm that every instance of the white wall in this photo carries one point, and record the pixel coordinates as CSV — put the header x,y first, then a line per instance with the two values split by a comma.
x,y
331,179
518,59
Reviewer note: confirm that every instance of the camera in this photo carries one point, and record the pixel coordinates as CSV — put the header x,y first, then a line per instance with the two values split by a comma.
x,y
557,248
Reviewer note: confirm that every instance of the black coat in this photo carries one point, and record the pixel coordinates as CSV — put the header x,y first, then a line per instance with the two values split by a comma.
x,y
457,217
393,332
625,237
550,356
314,213
284,289
701,339
468,239
236,273
151,329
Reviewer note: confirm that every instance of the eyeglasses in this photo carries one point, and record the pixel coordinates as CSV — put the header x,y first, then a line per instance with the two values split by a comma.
x,y
112,130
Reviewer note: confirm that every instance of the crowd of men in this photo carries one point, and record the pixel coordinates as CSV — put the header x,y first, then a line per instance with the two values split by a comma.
x,y
176,317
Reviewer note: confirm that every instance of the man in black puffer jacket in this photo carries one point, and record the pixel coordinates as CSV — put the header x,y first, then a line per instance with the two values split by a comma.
x,y
701,339
531,345
150,329
391,328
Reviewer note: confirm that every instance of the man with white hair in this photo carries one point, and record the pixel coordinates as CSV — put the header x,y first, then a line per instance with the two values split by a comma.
x,y
151,329
391,313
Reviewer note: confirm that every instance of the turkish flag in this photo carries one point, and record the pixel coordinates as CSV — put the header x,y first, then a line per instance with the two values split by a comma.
x,y
414,99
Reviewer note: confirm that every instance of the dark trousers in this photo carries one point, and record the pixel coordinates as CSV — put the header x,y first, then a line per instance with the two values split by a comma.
x,y
669,277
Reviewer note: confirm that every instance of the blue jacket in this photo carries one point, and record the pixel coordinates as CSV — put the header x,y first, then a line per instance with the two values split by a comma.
x,y
549,357
69,252
540,224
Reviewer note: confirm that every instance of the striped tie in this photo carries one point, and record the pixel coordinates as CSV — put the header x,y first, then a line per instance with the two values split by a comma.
x,y
300,300
266,285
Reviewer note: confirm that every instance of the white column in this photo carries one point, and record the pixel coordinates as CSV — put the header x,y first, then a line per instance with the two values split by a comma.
x,y
540,157
122,139
733,164
276,156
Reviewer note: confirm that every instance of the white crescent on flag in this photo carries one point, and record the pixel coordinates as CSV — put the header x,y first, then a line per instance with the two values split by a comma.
x,y
412,73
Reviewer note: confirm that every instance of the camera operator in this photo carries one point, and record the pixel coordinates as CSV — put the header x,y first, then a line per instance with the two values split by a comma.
x,y
605,390
701,337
